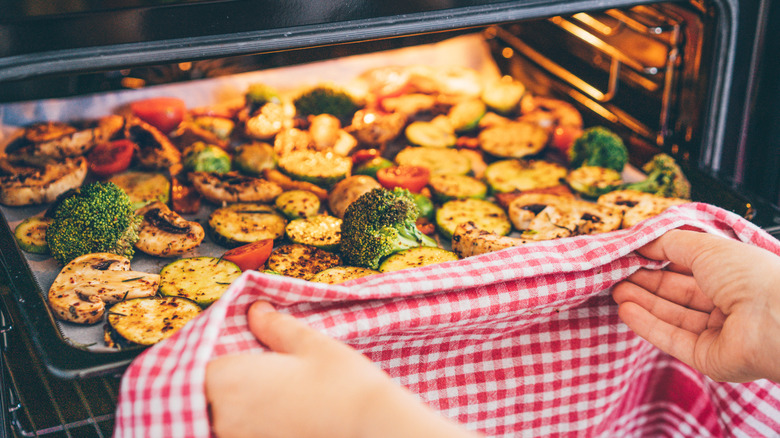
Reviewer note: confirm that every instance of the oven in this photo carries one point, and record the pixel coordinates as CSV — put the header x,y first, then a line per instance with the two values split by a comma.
x,y
695,79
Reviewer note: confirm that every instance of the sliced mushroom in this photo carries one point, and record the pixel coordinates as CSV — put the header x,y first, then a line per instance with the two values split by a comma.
x,y
468,240
155,149
638,206
85,285
31,185
233,187
374,128
544,216
56,140
166,234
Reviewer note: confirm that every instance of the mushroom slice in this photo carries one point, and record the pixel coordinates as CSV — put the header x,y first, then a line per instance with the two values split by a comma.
x,y
85,285
233,187
59,140
155,149
595,218
524,208
166,234
29,185
375,128
638,206
468,240
545,216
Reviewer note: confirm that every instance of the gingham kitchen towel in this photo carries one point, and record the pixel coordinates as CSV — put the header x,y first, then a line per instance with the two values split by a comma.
x,y
520,342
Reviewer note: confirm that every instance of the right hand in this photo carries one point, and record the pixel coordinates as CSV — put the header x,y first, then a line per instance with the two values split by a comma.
x,y
716,307
311,385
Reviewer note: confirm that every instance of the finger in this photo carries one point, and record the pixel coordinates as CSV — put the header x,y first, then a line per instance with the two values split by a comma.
x,y
667,311
675,287
670,339
281,332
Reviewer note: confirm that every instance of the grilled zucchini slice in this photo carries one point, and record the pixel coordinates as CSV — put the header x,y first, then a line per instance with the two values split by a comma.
x,y
340,274
321,168
297,204
504,95
416,257
242,223
509,175
253,158
594,181
301,261
465,116
147,321
200,279
485,215
30,234
429,134
513,140
437,160
143,187
321,231
446,187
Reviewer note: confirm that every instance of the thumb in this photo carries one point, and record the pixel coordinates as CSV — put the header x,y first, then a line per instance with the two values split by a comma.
x,y
280,332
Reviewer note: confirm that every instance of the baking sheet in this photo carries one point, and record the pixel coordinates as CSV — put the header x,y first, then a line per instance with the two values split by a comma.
x,y
464,51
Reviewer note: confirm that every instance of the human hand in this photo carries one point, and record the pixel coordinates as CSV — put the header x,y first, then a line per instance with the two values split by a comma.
x,y
310,385
716,306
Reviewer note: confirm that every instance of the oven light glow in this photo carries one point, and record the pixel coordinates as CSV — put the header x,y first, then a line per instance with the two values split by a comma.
x,y
185,66
133,83
507,52
369,118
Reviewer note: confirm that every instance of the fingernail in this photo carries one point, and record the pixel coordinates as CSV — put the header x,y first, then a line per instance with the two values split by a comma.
x,y
260,306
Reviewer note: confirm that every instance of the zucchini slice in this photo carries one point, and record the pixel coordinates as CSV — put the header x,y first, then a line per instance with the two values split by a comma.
x,y
437,160
446,187
510,175
321,231
594,181
297,204
503,95
242,223
416,257
340,274
432,135
301,261
30,234
486,216
200,279
143,187
321,168
147,321
513,140
465,116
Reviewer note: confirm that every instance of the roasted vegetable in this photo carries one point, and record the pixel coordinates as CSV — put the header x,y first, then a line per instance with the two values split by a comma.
x,y
598,146
664,178
200,279
320,231
253,158
328,100
301,261
416,257
594,181
258,95
143,187
503,95
149,320
98,217
30,234
378,224
340,274
203,157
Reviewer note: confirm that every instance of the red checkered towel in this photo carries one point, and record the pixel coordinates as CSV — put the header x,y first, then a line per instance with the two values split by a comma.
x,y
520,342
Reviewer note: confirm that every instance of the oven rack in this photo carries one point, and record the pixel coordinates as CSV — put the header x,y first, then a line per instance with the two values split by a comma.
x,y
34,403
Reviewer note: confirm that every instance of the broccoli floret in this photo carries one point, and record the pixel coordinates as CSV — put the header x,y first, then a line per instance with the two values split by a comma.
x,y
258,95
664,178
326,100
598,146
378,224
98,217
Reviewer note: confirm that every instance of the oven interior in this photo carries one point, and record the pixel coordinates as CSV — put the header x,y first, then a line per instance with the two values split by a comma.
x,y
655,73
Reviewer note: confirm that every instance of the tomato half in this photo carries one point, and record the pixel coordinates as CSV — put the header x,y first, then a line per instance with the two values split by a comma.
x,y
363,155
250,256
164,113
563,137
413,178
106,159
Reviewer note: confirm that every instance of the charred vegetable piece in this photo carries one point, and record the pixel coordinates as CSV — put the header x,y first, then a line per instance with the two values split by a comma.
x,y
484,214
301,261
465,116
593,181
166,234
510,175
238,224
320,231
143,187
347,191
598,146
147,321
200,279
429,134
328,100
321,168
416,257
448,187
30,234
513,140
202,157
253,158
233,187
340,274
29,185
503,95
298,204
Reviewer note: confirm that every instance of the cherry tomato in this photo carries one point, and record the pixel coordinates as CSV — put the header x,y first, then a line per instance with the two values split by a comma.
x,y
164,113
363,155
563,137
413,178
250,256
106,159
